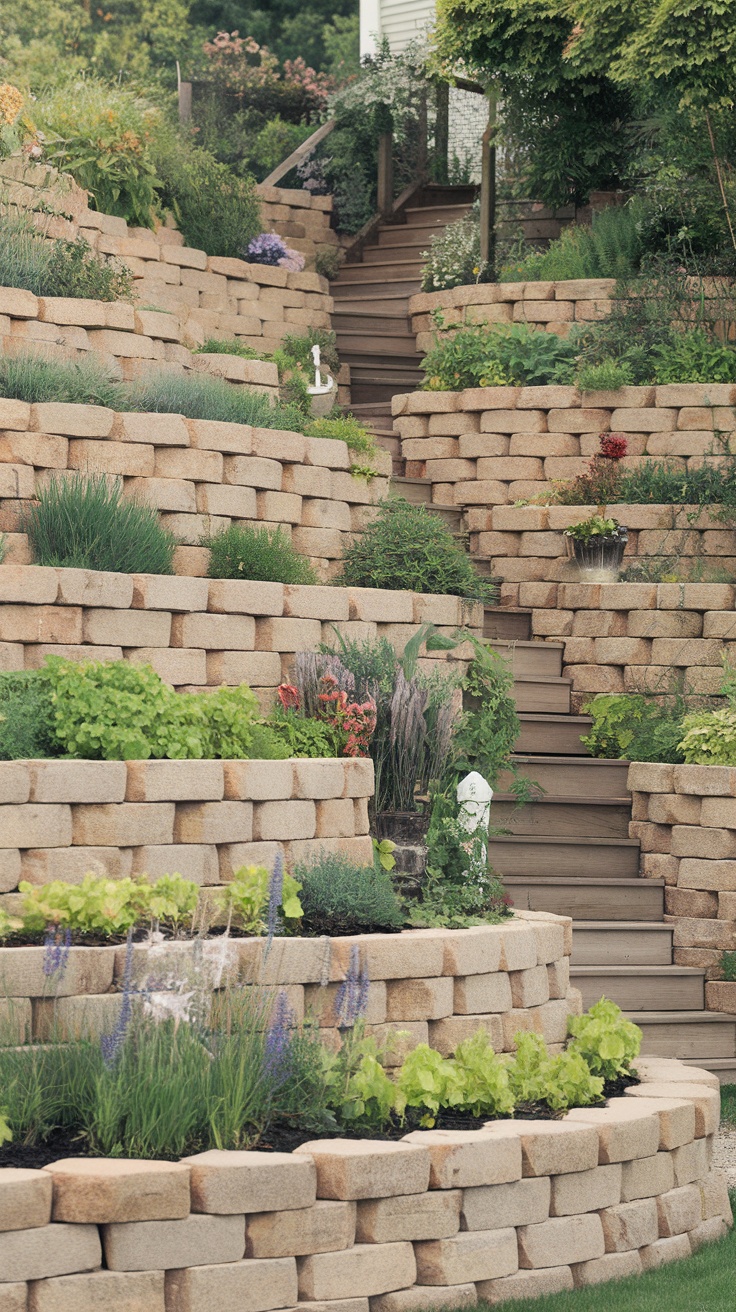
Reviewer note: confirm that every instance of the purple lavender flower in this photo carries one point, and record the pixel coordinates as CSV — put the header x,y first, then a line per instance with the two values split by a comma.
x,y
111,1044
278,1041
352,996
275,897
266,248
57,945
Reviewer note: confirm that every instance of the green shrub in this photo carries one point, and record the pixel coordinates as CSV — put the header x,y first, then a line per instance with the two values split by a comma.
x,y
328,263
709,737
58,268
24,714
728,966
339,897
407,547
243,551
297,347
85,522
344,428
605,377
606,1041
304,735
227,346
611,248
216,210
35,378
102,134
561,1081
491,356
694,357
200,397
635,727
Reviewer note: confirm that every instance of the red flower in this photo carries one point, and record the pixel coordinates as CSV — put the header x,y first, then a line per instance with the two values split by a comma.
x,y
288,695
613,446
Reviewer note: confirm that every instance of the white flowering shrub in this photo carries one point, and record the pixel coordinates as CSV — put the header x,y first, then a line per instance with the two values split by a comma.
x,y
453,259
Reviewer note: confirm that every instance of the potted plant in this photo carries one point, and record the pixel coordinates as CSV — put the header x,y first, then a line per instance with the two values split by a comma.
x,y
598,544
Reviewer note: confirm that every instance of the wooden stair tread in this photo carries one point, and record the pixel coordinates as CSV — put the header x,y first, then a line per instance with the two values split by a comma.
x,y
555,799
554,880
645,971
572,841
689,1017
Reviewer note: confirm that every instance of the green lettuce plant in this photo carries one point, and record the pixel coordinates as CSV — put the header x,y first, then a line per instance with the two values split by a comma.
x,y
103,906
245,899
605,1039
561,1081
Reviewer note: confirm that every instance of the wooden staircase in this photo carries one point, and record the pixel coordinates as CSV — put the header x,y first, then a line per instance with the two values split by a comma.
x,y
568,851
371,315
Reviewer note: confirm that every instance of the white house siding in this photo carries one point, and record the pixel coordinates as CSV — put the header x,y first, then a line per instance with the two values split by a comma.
x,y
401,21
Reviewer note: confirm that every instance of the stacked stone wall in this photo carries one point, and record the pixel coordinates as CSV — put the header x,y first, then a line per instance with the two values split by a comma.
x,y
551,306
439,1219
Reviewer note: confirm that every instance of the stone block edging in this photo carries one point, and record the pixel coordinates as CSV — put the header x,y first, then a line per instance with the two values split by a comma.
x,y
441,1218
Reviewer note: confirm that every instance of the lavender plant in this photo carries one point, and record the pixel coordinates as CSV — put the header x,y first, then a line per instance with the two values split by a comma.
x,y
57,946
352,995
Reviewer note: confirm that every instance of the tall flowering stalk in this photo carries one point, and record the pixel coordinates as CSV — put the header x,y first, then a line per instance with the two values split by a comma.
x,y
278,1041
111,1044
275,898
57,946
352,996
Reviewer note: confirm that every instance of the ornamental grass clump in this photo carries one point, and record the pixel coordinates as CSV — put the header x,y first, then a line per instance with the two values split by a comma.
x,y
200,397
243,551
86,522
406,547
37,378
58,268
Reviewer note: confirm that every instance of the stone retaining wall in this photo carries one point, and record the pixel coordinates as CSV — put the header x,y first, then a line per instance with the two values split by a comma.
x,y
202,475
199,632
553,306
486,448
636,637
439,1219
435,986
684,817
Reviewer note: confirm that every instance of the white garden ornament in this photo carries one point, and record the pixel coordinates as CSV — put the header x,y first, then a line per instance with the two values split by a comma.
x,y
320,388
474,795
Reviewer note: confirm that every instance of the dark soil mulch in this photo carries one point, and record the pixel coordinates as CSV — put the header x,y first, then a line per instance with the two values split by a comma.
x,y
284,1137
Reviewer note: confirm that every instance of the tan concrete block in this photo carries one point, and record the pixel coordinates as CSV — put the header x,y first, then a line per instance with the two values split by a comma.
x,y
226,1183
142,1291
283,820
624,1133
318,779
475,951
336,818
180,666
526,1285
413,1217
529,988
252,471
586,1191
553,1147
198,862
482,993
43,865
305,602
193,1241
647,1177
245,597
34,825
518,947
448,1033
321,1002
322,1228
49,1250
25,1199
76,781
679,1210
613,1266
32,584
630,1225
676,1121
130,824
99,1191
578,1238
121,628
361,1168
15,782
250,1286
413,954
419,999
41,624
160,592
714,1195
421,1298
14,414
365,1269
520,1202
461,1158
260,669
72,420
214,632
665,1250
174,781
707,1232
213,822
476,1255
287,635
336,1305
258,780
690,1162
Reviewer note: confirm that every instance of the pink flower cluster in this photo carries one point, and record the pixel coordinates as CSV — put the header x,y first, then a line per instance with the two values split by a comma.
x,y
242,65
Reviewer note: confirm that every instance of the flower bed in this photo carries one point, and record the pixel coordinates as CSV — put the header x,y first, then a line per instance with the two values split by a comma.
x,y
514,1210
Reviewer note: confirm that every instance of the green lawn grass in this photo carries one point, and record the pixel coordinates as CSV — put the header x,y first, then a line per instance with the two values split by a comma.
x,y
728,1105
703,1283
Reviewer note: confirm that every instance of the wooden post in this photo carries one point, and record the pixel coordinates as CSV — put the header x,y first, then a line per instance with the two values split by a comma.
x,y
423,130
488,187
385,198
442,133
185,102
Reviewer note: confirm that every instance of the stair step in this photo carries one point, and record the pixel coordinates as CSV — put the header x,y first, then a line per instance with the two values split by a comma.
x,y
571,857
507,624
415,250
405,270
542,694
642,988
687,1034
346,285
572,776
621,942
443,213
563,817
416,490
588,899
410,234
723,1067
370,321
529,659
364,342
397,308
552,733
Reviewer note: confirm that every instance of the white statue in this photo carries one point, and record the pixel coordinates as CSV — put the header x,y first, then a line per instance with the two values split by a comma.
x,y
320,388
474,795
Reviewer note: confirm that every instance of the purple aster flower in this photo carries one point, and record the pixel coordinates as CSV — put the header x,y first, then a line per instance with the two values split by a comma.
x,y
266,248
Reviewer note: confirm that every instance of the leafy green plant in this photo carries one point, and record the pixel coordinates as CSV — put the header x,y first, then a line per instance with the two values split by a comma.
x,y
709,737
214,208
635,727
694,357
328,263
6,1134
426,1083
35,378
340,897
561,1081
596,526
359,1090
305,735
485,355
453,258
24,730
103,906
728,966
383,853
85,522
606,1041
243,551
344,428
58,268
459,889
245,899
610,248
227,346
406,546
607,376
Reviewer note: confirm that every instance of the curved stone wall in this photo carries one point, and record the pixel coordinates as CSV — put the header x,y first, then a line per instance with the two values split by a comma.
x,y
439,1219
